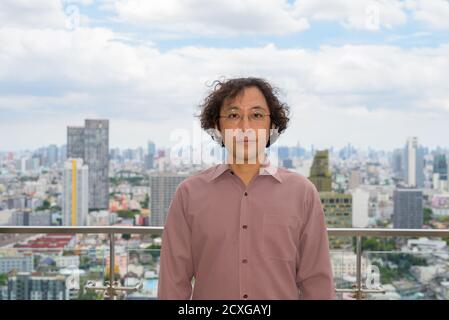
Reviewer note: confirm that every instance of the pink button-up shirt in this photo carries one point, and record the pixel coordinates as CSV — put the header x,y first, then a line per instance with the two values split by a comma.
x,y
225,240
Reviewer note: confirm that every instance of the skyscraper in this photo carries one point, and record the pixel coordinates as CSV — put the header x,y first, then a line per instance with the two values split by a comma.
x,y
337,207
413,164
440,166
355,179
91,143
149,158
75,142
360,208
397,164
162,188
62,153
439,176
408,208
52,154
75,193
319,173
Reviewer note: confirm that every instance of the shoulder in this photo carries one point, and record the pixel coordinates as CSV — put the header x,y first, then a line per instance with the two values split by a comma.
x,y
198,179
296,181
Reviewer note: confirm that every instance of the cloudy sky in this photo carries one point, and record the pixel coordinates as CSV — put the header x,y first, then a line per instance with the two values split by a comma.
x,y
367,72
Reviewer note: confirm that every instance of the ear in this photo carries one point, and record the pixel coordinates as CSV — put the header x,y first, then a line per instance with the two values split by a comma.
x,y
216,135
272,137
218,132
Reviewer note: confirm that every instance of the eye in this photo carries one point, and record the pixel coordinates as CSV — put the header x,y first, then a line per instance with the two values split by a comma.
x,y
233,116
257,115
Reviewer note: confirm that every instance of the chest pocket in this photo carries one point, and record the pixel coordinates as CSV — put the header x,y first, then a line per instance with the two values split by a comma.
x,y
280,233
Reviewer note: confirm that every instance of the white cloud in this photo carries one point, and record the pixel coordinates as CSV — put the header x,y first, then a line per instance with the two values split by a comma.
x,y
215,17
81,2
264,16
236,17
356,14
43,14
52,76
230,18
32,14
434,13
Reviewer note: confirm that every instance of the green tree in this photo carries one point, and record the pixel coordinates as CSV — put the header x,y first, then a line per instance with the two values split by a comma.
x,y
127,214
3,279
428,215
443,218
145,203
126,236
45,206
376,244
446,239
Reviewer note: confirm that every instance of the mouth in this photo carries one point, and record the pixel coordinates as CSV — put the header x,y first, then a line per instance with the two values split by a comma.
x,y
245,141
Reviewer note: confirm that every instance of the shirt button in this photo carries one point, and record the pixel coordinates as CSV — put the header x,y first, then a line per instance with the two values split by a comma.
x,y
246,193
245,227
245,296
244,261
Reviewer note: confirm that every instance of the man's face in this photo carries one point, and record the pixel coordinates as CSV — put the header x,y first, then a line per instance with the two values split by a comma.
x,y
245,125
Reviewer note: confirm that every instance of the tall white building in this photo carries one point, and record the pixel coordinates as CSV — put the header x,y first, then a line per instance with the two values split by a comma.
x,y
360,208
355,179
413,163
75,205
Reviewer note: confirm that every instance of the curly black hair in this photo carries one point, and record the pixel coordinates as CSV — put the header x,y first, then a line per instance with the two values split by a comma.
x,y
229,89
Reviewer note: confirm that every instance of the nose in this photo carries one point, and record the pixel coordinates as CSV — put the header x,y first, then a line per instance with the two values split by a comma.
x,y
245,124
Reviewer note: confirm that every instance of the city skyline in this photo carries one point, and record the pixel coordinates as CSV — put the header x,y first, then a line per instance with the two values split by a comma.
x,y
355,192
305,147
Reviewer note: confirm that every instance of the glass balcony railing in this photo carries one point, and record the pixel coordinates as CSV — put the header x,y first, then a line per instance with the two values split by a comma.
x,y
112,262
392,264
142,269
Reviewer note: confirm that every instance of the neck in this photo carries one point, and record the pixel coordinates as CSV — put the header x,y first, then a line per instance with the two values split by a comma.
x,y
246,170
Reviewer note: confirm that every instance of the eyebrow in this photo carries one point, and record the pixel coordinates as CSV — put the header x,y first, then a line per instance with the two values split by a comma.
x,y
231,107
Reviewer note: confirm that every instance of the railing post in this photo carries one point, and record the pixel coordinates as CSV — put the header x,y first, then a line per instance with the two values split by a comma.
x,y
113,288
111,265
359,267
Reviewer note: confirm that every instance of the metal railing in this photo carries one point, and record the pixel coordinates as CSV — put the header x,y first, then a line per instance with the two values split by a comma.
x,y
112,288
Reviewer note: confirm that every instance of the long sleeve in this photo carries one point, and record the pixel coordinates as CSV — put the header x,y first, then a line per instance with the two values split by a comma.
x,y
314,274
176,264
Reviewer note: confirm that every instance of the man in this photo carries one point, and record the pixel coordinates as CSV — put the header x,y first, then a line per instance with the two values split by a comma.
x,y
245,229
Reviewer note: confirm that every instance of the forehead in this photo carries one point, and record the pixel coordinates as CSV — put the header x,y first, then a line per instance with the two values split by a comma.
x,y
250,98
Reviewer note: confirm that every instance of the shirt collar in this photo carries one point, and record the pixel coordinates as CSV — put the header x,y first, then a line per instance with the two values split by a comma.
x,y
265,169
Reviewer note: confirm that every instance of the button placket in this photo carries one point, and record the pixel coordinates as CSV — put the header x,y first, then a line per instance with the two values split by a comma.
x,y
244,238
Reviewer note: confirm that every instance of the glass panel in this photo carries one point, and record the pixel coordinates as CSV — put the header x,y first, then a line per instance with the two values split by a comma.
x,y
405,268
51,267
419,270
137,265
344,272
142,267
